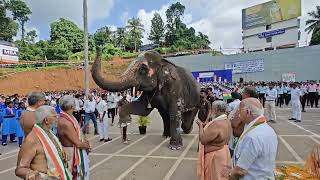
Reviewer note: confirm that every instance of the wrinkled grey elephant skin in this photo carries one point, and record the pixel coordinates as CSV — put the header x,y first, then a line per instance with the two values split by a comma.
x,y
169,88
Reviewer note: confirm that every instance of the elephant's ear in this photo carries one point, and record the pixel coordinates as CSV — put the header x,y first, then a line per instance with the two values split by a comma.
x,y
169,72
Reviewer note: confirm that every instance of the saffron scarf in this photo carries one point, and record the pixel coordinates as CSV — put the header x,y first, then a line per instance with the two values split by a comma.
x,y
56,167
80,160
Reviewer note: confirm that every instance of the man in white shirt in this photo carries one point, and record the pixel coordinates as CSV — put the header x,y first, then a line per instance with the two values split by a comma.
x,y
102,108
296,103
256,151
270,104
236,101
112,105
79,105
89,108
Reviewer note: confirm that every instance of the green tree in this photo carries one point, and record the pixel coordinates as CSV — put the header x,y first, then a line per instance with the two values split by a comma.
x,y
8,27
136,29
313,25
174,14
20,12
120,37
69,32
31,36
102,36
59,49
157,29
203,41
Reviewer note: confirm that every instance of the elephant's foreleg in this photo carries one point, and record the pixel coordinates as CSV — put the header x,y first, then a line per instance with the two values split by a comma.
x,y
175,140
187,121
166,123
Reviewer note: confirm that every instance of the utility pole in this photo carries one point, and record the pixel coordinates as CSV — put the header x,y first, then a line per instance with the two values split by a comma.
x,y
86,59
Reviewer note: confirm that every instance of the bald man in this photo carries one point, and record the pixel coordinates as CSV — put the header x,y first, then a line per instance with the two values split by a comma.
x,y
255,153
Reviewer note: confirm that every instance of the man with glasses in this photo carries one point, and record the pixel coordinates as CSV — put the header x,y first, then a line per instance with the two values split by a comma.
x,y
41,155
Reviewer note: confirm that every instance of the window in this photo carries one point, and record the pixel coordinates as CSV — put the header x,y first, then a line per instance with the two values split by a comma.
x,y
269,39
268,26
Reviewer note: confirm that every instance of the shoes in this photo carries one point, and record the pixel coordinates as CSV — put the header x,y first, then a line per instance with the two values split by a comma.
x,y
292,119
125,142
107,140
14,141
96,133
4,144
272,121
303,110
297,121
111,124
101,140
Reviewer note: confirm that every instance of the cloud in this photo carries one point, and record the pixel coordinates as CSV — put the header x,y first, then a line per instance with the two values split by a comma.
x,y
221,20
124,17
46,11
146,18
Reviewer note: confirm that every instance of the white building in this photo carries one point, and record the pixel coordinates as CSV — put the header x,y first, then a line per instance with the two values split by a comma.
x,y
271,25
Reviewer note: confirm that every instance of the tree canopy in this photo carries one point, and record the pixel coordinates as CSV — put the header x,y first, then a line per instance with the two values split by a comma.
x,y
313,25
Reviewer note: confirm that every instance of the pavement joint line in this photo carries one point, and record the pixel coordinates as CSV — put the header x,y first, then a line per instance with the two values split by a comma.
x,y
141,156
117,152
317,135
7,157
289,162
315,140
7,170
177,163
124,174
293,152
10,152
100,145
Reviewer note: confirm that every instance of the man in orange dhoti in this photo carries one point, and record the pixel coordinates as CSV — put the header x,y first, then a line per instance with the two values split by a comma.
x,y
214,152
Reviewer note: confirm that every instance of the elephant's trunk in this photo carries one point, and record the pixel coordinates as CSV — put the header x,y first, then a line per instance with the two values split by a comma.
x,y
124,82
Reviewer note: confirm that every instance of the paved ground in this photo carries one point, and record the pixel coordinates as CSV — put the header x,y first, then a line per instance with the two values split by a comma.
x,y
147,157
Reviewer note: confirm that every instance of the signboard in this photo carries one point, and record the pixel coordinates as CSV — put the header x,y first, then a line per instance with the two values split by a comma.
x,y
213,76
246,66
289,77
8,53
270,12
271,33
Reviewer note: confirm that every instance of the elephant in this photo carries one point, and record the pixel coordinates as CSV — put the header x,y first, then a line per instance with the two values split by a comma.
x,y
165,86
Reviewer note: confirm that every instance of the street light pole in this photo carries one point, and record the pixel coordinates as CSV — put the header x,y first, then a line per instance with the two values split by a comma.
x,y
86,53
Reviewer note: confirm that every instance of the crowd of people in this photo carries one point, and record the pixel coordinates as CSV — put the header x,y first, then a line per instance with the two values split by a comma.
x,y
236,140
234,133
51,127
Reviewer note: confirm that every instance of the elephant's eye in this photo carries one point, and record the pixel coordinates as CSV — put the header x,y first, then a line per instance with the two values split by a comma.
x,y
143,69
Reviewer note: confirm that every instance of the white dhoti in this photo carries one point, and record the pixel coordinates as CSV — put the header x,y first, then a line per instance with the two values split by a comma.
x,y
103,127
296,109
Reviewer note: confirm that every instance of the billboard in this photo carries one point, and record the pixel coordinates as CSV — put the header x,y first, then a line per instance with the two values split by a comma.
x,y
270,12
9,53
213,76
245,66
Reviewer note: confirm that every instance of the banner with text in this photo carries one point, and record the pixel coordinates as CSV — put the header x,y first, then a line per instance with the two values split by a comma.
x,y
245,66
270,12
213,76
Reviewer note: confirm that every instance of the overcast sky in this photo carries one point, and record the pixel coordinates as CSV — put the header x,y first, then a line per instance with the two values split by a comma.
x,y
219,19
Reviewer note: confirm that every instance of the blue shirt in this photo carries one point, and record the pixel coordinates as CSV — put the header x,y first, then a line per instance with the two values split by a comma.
x,y
263,90
58,109
280,90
